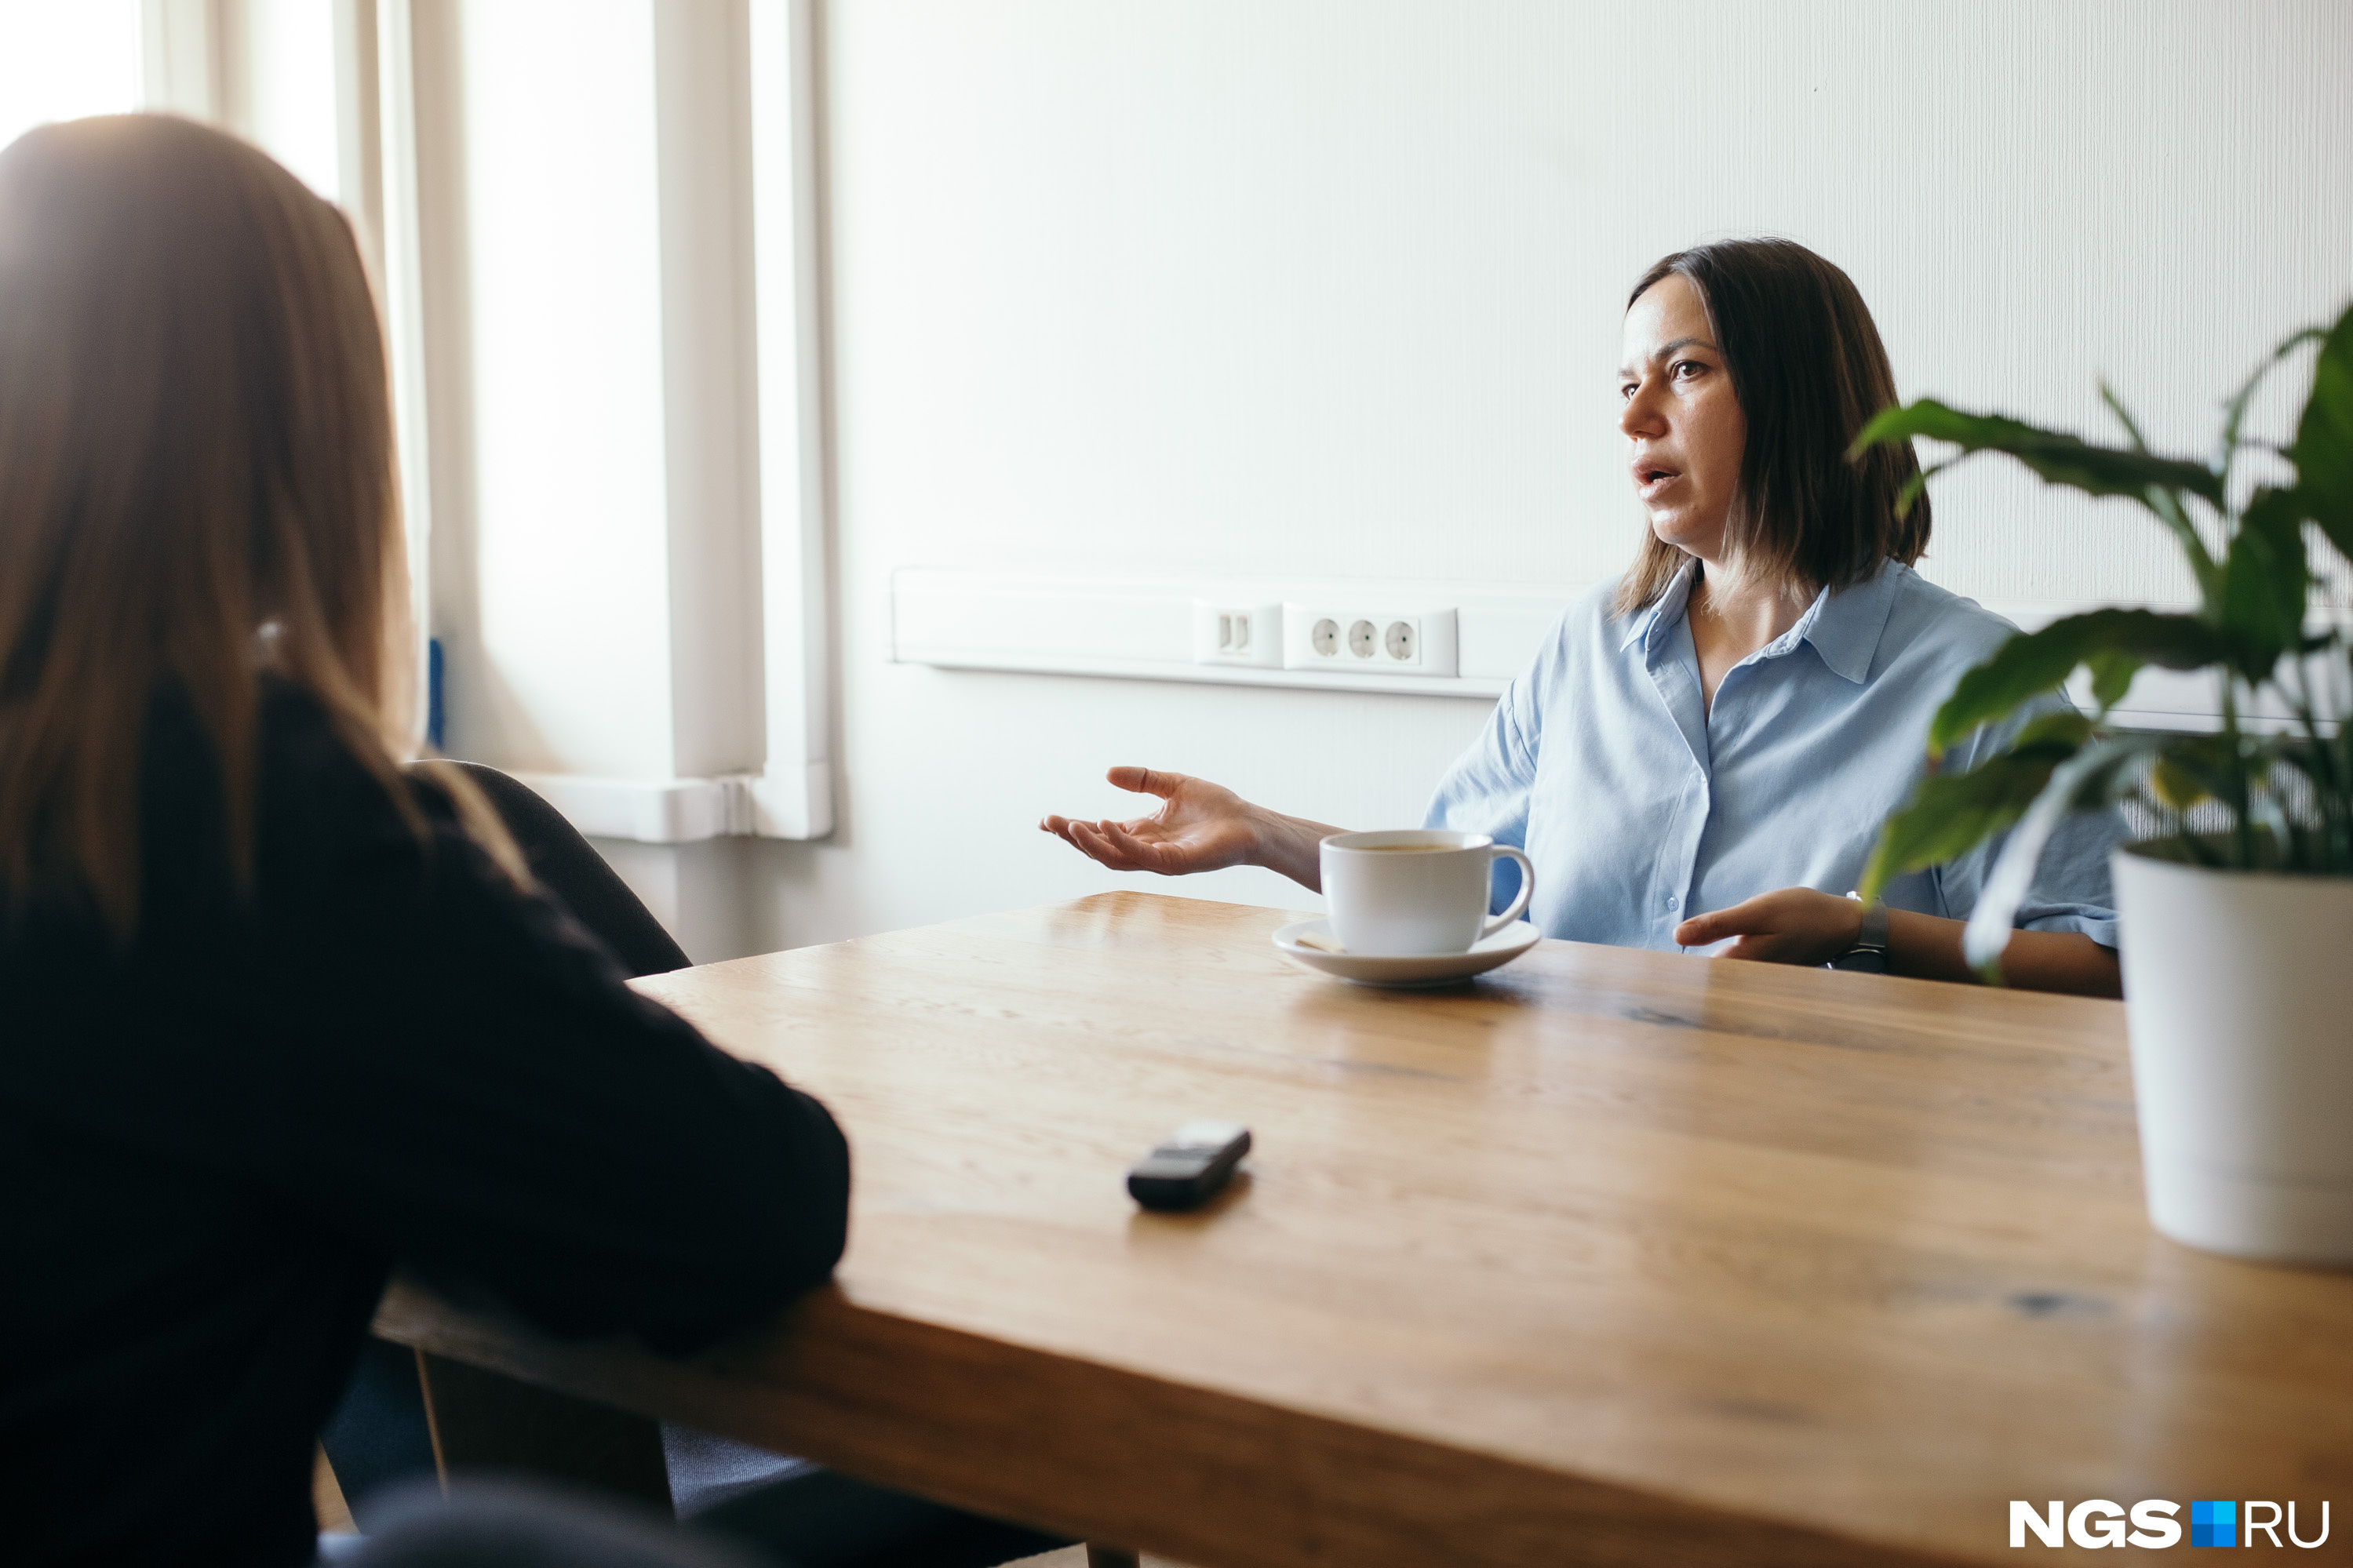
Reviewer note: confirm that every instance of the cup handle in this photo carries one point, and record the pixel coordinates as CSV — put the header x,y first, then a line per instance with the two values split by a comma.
x,y
1520,904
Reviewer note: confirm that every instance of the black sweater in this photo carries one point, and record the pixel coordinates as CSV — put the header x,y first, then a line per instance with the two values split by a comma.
x,y
215,1142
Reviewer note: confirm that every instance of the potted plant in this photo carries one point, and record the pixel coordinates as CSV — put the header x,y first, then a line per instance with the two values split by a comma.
x,y
2238,944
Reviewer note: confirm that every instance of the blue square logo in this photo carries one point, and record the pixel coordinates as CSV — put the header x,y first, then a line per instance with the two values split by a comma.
x,y
2213,1524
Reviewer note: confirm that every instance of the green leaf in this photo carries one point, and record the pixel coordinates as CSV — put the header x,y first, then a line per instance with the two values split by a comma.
x,y
2112,676
2265,584
2028,665
1917,483
2197,767
2234,412
2084,781
2056,735
2323,452
2169,512
2059,458
1952,814
2063,459
2175,787
2124,417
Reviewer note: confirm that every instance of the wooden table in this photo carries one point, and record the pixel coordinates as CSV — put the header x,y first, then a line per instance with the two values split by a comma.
x,y
1609,1258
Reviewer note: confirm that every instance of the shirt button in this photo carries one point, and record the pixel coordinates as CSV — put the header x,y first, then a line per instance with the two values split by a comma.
x,y
1674,903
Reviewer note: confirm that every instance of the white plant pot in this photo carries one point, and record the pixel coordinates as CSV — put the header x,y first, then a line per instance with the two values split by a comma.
x,y
2238,993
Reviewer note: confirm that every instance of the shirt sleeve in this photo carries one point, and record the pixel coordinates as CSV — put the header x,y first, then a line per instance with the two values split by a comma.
x,y
2071,891
1489,787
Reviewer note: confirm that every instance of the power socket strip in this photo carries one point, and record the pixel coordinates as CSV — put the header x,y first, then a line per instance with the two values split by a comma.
x,y
1361,640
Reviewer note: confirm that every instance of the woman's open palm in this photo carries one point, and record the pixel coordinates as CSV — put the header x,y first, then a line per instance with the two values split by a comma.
x,y
1200,827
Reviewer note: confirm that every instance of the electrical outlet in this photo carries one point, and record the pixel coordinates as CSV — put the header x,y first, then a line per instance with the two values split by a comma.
x,y
1237,634
1358,640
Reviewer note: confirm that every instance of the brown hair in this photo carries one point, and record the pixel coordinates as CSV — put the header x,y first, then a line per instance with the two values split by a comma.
x,y
1808,369
196,486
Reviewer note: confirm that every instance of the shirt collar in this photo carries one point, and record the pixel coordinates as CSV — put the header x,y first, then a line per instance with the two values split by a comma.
x,y
1664,611
1844,626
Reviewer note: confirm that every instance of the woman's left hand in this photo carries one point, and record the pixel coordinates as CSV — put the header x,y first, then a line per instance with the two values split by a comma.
x,y
1793,925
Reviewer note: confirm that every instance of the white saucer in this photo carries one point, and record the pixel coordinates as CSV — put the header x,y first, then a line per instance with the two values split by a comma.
x,y
1426,969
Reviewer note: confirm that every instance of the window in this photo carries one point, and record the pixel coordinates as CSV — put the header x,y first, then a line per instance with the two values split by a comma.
x,y
595,229
65,62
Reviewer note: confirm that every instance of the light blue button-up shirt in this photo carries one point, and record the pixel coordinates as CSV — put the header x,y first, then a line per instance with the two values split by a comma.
x,y
1641,806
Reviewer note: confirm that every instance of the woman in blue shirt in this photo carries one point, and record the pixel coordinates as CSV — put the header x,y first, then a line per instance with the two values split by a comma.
x,y
1702,753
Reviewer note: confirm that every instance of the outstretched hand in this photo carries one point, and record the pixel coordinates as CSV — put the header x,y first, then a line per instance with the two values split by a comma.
x,y
1200,827
1791,925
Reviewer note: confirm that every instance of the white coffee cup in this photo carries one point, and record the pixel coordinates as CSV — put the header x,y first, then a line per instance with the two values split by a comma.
x,y
1414,891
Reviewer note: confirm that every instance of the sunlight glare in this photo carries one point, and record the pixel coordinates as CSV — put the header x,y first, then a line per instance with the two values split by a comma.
x,y
63,61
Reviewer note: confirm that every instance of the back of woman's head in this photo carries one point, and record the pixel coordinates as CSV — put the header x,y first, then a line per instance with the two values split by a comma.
x,y
1808,369
195,483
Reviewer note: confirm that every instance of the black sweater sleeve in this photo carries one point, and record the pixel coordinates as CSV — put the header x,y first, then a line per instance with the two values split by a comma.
x,y
418,1053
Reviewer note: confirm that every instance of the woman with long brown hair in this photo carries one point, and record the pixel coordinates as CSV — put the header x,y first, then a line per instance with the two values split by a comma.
x,y
1702,753
278,1009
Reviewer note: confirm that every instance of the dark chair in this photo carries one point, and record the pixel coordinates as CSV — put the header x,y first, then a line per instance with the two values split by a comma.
x,y
379,1435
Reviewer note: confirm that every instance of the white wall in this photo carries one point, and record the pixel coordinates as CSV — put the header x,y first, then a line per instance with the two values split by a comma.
x,y
1334,288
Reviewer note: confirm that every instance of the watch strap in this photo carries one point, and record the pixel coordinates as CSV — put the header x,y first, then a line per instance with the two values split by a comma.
x,y
1869,953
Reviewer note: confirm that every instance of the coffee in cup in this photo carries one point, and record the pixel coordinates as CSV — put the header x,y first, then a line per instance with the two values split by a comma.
x,y
1411,892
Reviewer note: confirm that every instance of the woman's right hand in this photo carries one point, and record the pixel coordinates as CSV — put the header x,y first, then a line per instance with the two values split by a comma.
x,y
1200,827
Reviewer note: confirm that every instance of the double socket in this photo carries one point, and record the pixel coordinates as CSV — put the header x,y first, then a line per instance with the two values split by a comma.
x,y
1245,634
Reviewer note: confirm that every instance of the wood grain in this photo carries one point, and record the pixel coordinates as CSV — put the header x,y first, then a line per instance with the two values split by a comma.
x,y
1610,1257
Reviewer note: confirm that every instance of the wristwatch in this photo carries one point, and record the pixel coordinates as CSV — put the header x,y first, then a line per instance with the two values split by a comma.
x,y
1869,953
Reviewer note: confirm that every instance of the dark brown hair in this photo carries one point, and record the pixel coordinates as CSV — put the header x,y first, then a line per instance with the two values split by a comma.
x,y
1808,369
197,487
